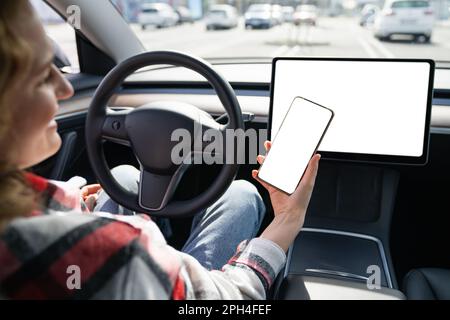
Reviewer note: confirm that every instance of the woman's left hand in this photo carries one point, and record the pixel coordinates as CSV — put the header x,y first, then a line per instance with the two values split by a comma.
x,y
90,194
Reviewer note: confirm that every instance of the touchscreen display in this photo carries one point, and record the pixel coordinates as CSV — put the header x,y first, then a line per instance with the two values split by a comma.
x,y
380,107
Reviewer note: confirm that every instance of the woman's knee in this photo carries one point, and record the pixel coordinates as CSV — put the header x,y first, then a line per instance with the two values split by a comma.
x,y
127,176
247,197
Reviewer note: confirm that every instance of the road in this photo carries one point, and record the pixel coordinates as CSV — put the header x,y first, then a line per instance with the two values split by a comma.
x,y
333,37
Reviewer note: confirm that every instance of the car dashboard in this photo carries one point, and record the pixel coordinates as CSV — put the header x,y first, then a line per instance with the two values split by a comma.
x,y
253,91
346,221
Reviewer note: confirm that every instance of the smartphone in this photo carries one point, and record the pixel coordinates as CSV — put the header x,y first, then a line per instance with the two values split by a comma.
x,y
297,140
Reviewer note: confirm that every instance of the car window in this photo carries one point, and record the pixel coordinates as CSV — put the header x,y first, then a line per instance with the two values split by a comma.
x,y
149,10
306,8
218,13
62,35
410,4
259,8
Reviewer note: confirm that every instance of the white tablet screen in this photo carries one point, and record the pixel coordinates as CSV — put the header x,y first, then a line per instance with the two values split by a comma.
x,y
380,107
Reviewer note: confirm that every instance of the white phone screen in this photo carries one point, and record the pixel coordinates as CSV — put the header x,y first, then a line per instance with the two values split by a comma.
x,y
295,143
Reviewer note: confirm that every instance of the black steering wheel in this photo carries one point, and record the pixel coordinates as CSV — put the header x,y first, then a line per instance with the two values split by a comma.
x,y
148,131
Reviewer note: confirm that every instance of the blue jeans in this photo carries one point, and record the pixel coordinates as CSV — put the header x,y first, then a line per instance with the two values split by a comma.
x,y
217,230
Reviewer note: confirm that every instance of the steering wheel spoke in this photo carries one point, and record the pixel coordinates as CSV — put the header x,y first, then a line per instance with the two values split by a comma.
x,y
212,137
156,190
114,129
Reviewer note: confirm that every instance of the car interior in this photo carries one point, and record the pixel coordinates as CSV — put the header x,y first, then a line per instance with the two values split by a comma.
x,y
365,219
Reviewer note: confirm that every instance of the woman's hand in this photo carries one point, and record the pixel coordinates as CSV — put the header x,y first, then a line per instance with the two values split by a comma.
x,y
90,194
289,210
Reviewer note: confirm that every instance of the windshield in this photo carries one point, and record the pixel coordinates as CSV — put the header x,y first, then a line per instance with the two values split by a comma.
x,y
259,7
149,10
217,12
338,28
410,4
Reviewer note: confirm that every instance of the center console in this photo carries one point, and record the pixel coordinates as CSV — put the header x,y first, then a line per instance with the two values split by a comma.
x,y
329,264
328,253
343,250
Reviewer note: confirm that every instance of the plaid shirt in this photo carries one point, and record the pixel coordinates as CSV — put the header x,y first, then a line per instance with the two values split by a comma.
x,y
116,257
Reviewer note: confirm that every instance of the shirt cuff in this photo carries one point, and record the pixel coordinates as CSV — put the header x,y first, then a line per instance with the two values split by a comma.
x,y
269,251
264,257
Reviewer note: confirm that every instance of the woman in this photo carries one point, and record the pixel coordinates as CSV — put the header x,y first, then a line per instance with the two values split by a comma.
x,y
48,234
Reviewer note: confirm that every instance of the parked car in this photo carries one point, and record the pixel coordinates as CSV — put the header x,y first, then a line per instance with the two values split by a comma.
x,y
277,14
410,17
259,16
221,16
157,14
184,15
288,13
305,14
368,14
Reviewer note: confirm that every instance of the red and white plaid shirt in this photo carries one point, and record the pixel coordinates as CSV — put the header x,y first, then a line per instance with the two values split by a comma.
x,y
118,257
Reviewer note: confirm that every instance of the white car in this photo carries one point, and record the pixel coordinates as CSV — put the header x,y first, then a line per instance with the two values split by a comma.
x,y
157,14
221,16
411,17
288,13
277,14
259,16
305,14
